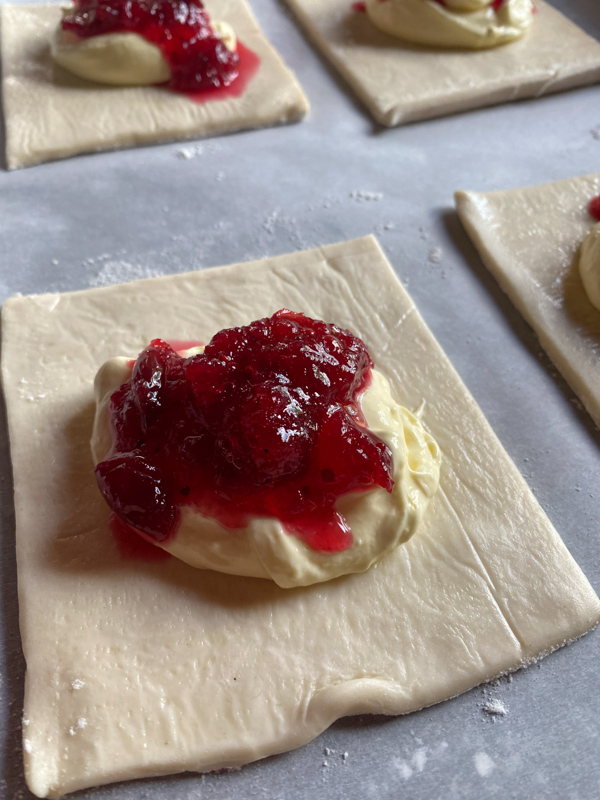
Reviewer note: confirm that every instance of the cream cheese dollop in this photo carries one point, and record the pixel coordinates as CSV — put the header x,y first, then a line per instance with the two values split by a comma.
x,y
472,24
120,59
380,521
589,265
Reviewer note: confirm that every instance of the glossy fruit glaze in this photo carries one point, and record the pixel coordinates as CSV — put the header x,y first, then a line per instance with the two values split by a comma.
x,y
594,207
265,422
198,59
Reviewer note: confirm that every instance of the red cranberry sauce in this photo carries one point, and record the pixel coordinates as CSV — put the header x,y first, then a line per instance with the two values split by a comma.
x,y
594,207
180,28
265,422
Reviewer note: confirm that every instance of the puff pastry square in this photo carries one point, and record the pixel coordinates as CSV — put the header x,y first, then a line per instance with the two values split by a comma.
x,y
138,668
529,240
400,82
51,114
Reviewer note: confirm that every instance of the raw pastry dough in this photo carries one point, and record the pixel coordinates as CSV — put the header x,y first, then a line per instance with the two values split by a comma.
x,y
50,113
399,82
589,265
138,668
529,239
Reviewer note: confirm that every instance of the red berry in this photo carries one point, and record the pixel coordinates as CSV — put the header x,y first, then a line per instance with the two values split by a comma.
x,y
594,208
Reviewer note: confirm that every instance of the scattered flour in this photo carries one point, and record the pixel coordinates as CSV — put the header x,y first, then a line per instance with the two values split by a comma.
x,y
27,745
190,151
77,684
419,759
403,768
366,197
483,764
435,255
121,272
495,708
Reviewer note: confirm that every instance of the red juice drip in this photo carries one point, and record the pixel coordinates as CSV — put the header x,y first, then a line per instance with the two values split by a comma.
x,y
359,7
199,61
265,422
248,65
594,207
133,546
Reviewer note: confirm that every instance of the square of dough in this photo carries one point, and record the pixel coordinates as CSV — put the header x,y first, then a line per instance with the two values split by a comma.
x,y
51,114
529,240
139,668
400,82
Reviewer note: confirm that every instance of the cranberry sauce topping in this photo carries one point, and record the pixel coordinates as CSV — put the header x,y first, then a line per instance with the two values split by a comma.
x,y
594,207
198,59
265,422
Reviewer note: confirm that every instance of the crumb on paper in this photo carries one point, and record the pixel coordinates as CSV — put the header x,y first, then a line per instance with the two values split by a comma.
x,y
366,197
435,255
27,745
77,684
495,708
188,152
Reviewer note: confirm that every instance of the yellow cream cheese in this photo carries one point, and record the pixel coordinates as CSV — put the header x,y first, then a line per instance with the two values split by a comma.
x,y
471,24
120,59
589,265
380,521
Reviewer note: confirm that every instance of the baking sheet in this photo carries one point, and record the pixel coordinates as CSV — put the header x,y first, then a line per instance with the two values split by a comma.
x,y
109,217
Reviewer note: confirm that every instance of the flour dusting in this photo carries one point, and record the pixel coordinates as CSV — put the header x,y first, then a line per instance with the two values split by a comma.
x,y
495,708
121,272
366,197
483,764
